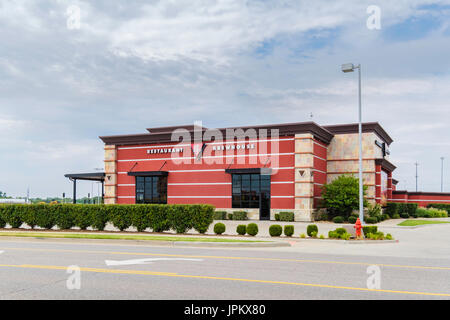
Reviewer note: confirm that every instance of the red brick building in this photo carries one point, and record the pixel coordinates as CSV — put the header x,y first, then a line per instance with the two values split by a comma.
x,y
260,169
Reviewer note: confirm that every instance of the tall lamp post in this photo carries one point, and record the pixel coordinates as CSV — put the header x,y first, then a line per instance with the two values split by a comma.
x,y
442,174
350,67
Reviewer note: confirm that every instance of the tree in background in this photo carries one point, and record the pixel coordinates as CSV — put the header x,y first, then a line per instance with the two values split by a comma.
x,y
341,196
2,194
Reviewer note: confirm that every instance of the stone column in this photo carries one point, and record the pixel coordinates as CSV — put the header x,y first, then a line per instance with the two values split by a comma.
x,y
304,180
110,174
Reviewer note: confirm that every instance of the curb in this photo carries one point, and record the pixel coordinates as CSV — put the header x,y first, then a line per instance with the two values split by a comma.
x,y
158,242
349,241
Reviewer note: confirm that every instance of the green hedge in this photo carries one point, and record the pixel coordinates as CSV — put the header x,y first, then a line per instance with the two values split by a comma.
x,y
239,215
441,206
220,215
394,208
158,217
286,216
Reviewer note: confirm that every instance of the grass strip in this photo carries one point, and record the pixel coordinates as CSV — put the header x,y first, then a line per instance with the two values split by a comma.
x,y
117,237
412,223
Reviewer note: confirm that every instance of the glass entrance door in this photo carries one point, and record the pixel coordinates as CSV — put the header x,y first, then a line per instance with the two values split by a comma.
x,y
264,198
252,191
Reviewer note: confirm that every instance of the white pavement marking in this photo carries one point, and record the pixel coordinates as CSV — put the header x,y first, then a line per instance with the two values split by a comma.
x,y
144,261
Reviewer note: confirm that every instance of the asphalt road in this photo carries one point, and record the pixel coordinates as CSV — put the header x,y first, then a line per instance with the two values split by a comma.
x,y
37,269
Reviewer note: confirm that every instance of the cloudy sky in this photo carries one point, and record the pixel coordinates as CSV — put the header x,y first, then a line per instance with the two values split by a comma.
x,y
126,67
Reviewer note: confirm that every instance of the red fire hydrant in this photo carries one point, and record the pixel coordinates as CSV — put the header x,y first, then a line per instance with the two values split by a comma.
x,y
358,228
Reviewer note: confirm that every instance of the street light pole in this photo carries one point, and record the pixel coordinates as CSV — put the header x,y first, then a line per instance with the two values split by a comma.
x,y
442,174
349,67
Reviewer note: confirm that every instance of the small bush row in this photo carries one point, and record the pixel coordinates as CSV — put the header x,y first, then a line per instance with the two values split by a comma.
x,y
339,233
276,230
284,216
159,218
251,229
236,215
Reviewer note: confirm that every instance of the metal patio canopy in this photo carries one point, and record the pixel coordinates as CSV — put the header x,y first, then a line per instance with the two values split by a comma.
x,y
94,176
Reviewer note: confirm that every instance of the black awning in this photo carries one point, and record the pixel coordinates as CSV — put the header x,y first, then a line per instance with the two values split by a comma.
x,y
250,170
94,176
149,173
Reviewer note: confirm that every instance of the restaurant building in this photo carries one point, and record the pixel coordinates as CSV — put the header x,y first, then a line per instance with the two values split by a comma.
x,y
260,169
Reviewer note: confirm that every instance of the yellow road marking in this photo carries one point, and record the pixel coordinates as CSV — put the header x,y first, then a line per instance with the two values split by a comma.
x,y
101,270
232,258
139,272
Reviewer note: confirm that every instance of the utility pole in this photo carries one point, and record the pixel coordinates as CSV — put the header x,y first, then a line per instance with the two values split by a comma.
x,y
442,174
416,164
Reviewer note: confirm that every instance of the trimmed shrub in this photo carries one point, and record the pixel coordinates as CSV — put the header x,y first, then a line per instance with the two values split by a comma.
x,y
338,219
277,217
411,208
402,207
220,215
340,231
352,219
12,215
385,216
275,230
314,234
396,216
286,216
140,217
239,215
202,217
44,215
230,216
391,208
333,235
2,222
82,216
241,229
389,237
119,215
303,236
404,215
288,230
159,217
369,229
252,229
322,236
311,228
371,220
99,217
219,228
431,213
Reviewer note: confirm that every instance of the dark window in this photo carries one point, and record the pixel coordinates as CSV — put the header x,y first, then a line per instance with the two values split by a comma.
x,y
151,189
247,189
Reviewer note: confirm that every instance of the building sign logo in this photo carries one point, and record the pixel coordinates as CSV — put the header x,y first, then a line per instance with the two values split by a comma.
x,y
197,149
233,147
164,150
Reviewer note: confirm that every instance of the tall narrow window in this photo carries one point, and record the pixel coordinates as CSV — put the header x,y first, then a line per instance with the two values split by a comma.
x,y
151,189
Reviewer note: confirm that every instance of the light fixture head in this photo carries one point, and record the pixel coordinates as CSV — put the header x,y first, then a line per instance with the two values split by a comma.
x,y
348,67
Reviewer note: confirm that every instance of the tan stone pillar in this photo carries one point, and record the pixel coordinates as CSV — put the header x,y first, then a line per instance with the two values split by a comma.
x,y
304,180
110,174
